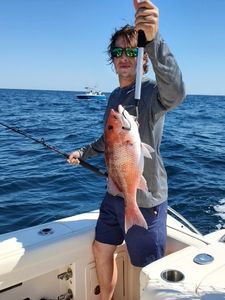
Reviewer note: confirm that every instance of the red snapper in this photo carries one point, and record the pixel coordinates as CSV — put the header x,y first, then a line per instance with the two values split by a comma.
x,y
124,156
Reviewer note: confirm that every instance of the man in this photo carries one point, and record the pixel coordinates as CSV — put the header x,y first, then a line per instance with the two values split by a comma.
x,y
144,245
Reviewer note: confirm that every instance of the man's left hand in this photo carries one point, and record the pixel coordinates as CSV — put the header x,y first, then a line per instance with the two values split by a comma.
x,y
147,18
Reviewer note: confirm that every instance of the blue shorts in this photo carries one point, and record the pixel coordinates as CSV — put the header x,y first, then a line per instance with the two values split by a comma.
x,y
144,246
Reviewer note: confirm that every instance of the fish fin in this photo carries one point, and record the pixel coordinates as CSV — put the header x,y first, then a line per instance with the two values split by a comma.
x,y
147,150
143,184
133,216
112,188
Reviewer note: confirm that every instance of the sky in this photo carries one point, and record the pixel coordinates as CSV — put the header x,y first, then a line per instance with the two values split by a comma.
x,y
61,44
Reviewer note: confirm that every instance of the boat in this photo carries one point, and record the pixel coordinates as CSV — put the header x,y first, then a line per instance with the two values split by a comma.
x,y
91,93
54,261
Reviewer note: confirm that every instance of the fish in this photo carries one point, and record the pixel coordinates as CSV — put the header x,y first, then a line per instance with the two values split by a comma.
x,y
124,158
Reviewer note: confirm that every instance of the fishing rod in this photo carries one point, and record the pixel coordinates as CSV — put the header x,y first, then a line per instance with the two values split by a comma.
x,y
52,148
139,68
83,164
141,42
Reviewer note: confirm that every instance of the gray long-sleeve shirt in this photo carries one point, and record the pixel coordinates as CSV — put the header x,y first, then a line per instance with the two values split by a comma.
x,y
156,99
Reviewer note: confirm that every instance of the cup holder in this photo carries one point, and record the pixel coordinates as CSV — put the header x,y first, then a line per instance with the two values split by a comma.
x,y
172,275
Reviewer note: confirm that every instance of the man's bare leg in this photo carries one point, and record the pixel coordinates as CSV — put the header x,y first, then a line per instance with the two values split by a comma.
x,y
106,268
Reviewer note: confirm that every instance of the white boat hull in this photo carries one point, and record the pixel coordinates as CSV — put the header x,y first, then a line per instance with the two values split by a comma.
x,y
32,261
91,97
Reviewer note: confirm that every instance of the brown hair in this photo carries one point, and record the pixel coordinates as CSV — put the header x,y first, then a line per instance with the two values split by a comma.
x,y
129,34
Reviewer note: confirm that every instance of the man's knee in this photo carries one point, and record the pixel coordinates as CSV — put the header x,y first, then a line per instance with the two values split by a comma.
x,y
103,250
95,248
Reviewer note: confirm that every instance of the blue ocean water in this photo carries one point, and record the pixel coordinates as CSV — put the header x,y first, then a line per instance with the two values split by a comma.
x,y
38,185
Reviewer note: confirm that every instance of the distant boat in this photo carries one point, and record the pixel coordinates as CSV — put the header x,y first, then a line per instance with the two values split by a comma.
x,y
91,94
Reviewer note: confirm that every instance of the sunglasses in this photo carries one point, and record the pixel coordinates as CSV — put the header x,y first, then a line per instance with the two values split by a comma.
x,y
130,52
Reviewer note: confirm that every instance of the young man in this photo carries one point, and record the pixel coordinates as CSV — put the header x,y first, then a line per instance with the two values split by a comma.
x,y
144,245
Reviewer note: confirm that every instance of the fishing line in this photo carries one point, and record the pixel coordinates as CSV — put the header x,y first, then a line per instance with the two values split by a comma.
x,y
52,148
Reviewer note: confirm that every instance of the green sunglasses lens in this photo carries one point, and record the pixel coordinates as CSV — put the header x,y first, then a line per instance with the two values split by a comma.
x,y
117,52
131,52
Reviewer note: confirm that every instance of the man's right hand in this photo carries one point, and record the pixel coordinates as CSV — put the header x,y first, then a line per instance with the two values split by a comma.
x,y
74,158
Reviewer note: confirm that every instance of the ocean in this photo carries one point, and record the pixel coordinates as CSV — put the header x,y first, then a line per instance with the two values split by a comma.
x,y
38,185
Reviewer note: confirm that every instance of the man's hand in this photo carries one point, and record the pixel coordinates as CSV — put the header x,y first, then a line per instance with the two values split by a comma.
x,y
147,18
74,158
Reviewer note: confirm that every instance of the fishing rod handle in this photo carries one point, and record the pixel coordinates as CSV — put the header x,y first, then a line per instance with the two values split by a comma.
x,y
141,39
93,168
141,42
139,74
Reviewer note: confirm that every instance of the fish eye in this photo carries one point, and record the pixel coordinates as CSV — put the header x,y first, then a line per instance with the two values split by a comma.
x,y
115,117
110,127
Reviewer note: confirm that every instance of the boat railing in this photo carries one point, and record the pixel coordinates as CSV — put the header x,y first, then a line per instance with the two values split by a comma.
x,y
184,221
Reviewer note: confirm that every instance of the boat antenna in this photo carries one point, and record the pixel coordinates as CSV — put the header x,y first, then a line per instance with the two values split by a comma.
x,y
52,148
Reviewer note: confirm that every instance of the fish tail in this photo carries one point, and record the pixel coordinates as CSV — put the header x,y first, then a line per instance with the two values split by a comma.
x,y
133,216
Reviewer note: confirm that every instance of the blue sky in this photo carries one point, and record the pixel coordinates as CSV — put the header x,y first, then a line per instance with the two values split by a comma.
x,y
61,44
